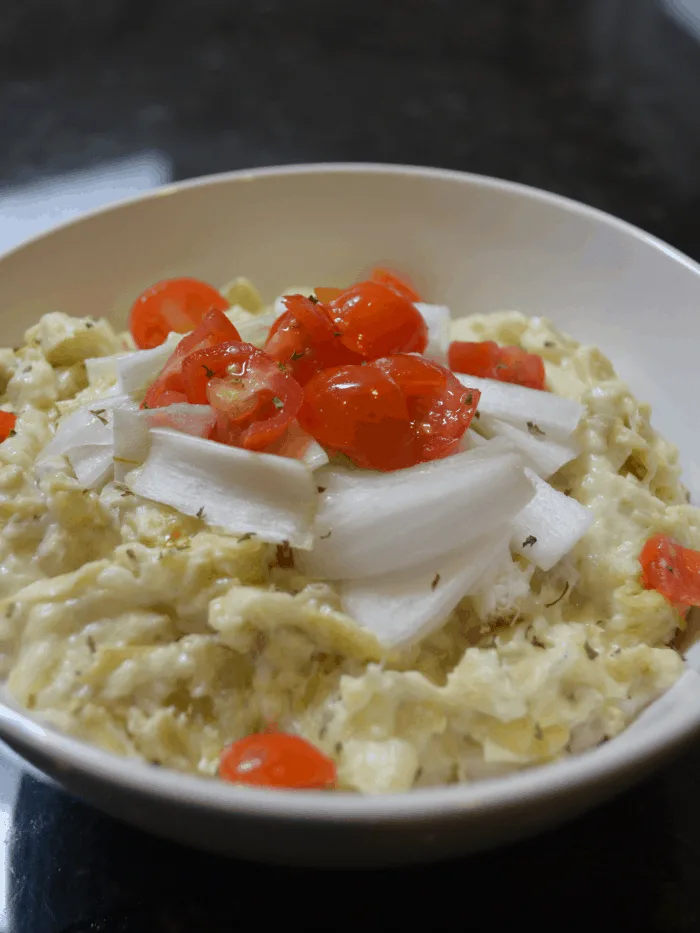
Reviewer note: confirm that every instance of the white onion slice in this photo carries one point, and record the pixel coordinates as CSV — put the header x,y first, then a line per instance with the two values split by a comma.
x,y
138,369
131,430
89,425
437,319
299,445
253,328
539,453
556,522
408,605
238,490
558,417
376,524
92,464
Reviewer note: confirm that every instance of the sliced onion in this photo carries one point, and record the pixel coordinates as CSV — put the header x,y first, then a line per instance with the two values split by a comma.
x,y
541,454
140,368
558,417
556,523
92,464
437,319
408,605
377,524
253,328
238,490
131,430
299,445
90,425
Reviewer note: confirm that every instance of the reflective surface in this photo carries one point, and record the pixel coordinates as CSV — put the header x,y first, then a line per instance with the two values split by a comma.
x,y
595,99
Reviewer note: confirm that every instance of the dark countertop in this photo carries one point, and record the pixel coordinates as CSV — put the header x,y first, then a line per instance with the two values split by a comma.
x,y
589,98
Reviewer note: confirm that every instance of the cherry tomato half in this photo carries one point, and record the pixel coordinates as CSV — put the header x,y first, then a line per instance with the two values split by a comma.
x,y
303,339
374,321
389,414
8,420
672,570
396,282
360,411
276,759
489,361
439,406
169,387
172,305
255,399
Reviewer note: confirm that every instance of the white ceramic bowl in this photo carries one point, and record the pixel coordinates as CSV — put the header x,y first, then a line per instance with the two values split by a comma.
x,y
476,244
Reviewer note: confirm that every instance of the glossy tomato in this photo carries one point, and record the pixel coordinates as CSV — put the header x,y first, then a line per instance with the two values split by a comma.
x,y
672,570
169,388
396,282
359,411
373,320
304,340
277,759
388,414
8,420
177,305
489,361
439,406
255,399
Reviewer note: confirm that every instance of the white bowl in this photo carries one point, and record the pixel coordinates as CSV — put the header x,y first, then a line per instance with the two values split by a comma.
x,y
476,244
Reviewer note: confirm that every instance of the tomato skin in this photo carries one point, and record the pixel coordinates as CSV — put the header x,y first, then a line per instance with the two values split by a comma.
x,y
177,305
277,759
390,413
214,328
440,407
255,400
304,340
489,361
373,320
8,420
396,282
359,411
672,570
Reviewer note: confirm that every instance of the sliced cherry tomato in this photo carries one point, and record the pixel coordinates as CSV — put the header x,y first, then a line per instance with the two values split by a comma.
x,y
374,321
360,411
394,281
439,406
303,339
8,420
489,361
388,414
169,387
277,759
672,570
172,305
255,399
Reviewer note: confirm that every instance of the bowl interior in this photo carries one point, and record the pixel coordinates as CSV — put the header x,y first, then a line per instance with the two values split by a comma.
x,y
475,244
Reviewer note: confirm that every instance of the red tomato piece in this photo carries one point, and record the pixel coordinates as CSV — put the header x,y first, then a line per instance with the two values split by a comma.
x,y
361,412
303,339
169,387
255,399
489,361
672,570
172,305
374,321
397,283
8,420
439,406
277,759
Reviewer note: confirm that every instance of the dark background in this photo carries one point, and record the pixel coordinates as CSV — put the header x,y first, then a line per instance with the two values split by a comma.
x,y
595,99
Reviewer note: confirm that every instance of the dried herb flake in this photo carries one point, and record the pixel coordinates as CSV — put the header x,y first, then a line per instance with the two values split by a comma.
x,y
530,541
559,598
435,581
535,429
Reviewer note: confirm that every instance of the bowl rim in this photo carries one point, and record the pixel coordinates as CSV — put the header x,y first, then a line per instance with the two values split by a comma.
x,y
594,768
